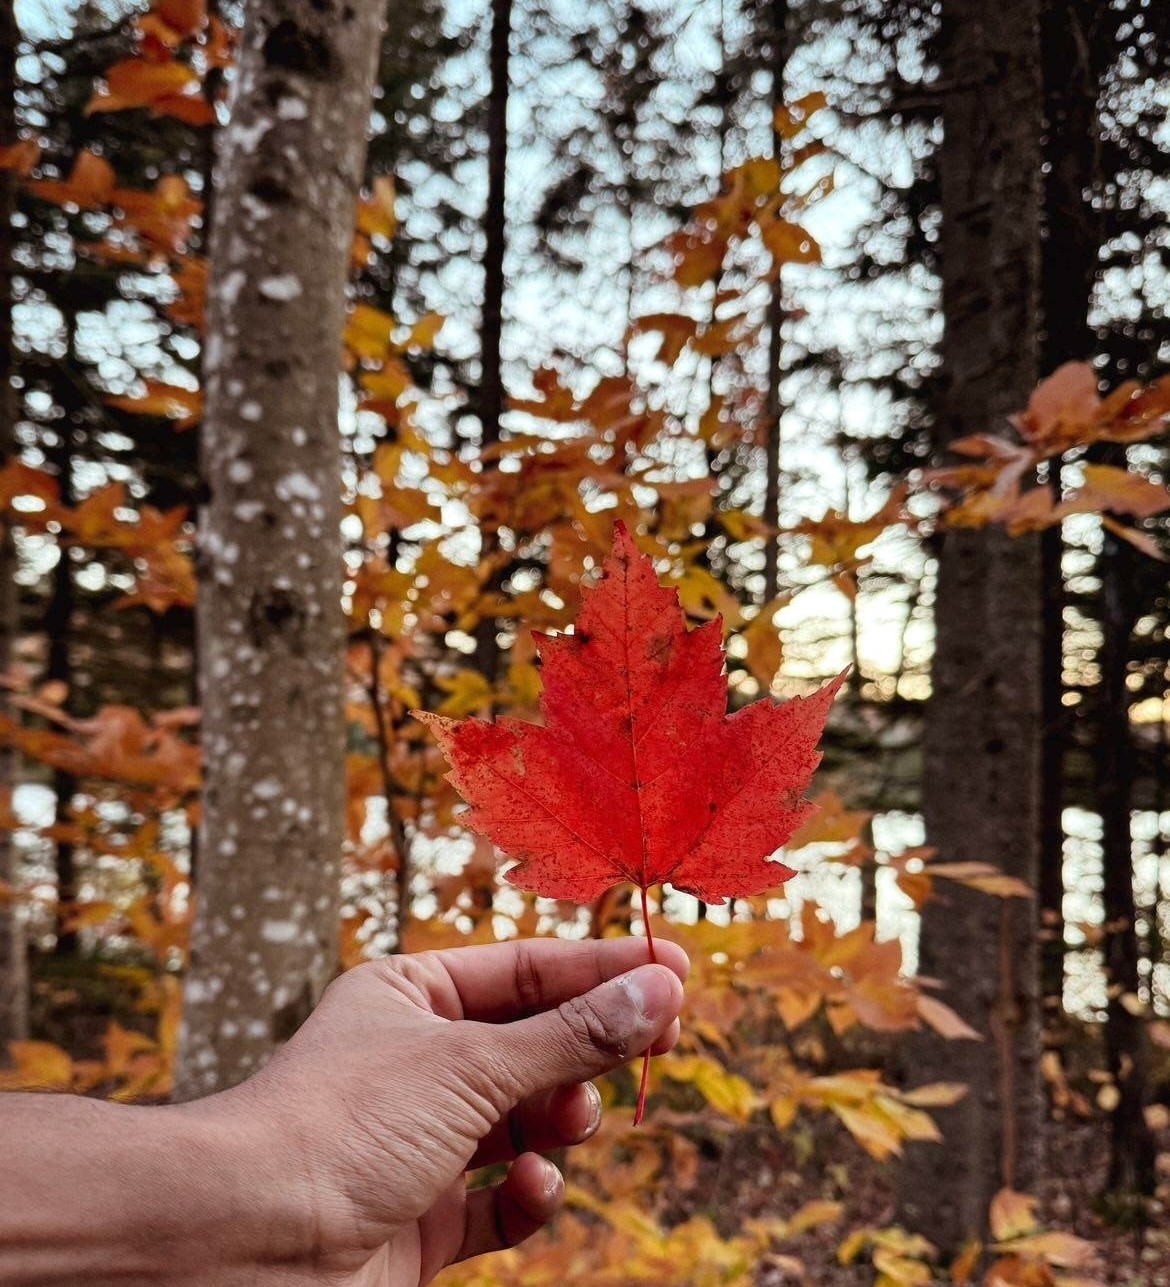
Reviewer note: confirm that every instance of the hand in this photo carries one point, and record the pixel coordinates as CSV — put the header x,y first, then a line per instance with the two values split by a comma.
x,y
416,1069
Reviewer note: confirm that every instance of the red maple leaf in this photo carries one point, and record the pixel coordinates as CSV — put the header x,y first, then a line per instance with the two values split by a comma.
x,y
638,773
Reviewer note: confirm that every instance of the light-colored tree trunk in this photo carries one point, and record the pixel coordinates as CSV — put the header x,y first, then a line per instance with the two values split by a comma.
x,y
981,775
270,624
13,961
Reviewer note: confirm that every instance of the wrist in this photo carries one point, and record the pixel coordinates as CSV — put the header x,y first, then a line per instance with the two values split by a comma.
x,y
244,1202
195,1193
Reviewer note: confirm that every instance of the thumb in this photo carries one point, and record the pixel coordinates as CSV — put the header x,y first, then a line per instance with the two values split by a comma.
x,y
589,1034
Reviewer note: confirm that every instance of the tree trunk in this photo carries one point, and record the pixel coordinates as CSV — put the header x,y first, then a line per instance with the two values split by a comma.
x,y
271,633
981,774
59,669
1073,49
491,391
773,406
1132,1151
495,234
1053,741
1076,54
13,960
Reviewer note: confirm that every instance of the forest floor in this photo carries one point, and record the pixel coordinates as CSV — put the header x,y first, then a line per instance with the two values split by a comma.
x,y
757,1173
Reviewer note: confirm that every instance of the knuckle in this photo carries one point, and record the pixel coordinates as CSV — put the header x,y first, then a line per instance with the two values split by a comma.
x,y
593,1029
526,980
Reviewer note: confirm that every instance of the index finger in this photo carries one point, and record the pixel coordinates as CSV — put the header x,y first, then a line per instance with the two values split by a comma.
x,y
498,982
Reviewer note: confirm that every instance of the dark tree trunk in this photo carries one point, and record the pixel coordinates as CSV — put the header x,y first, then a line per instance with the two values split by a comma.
x,y
59,669
212,84
1050,886
773,404
1074,52
491,392
981,775
1132,1151
1079,38
271,633
13,961
495,233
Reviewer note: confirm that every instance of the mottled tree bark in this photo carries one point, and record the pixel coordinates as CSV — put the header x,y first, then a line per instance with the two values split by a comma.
x,y
981,773
270,624
13,961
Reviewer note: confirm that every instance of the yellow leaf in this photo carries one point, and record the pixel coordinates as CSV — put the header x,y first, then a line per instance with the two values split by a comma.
x,y
468,693
524,685
725,1091
832,823
425,331
966,1263
368,331
851,1247
901,1269
938,1094
783,1112
137,82
1064,1250
1121,491
790,118
811,1215
870,1128
169,401
37,1065
385,386
983,877
760,176
376,214
741,526
765,652
1012,1214
789,243
945,1021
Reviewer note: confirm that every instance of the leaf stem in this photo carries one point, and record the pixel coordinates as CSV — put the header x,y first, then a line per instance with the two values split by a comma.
x,y
649,931
640,1111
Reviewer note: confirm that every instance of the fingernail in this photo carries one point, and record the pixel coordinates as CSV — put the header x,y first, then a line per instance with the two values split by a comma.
x,y
651,989
551,1181
594,1097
